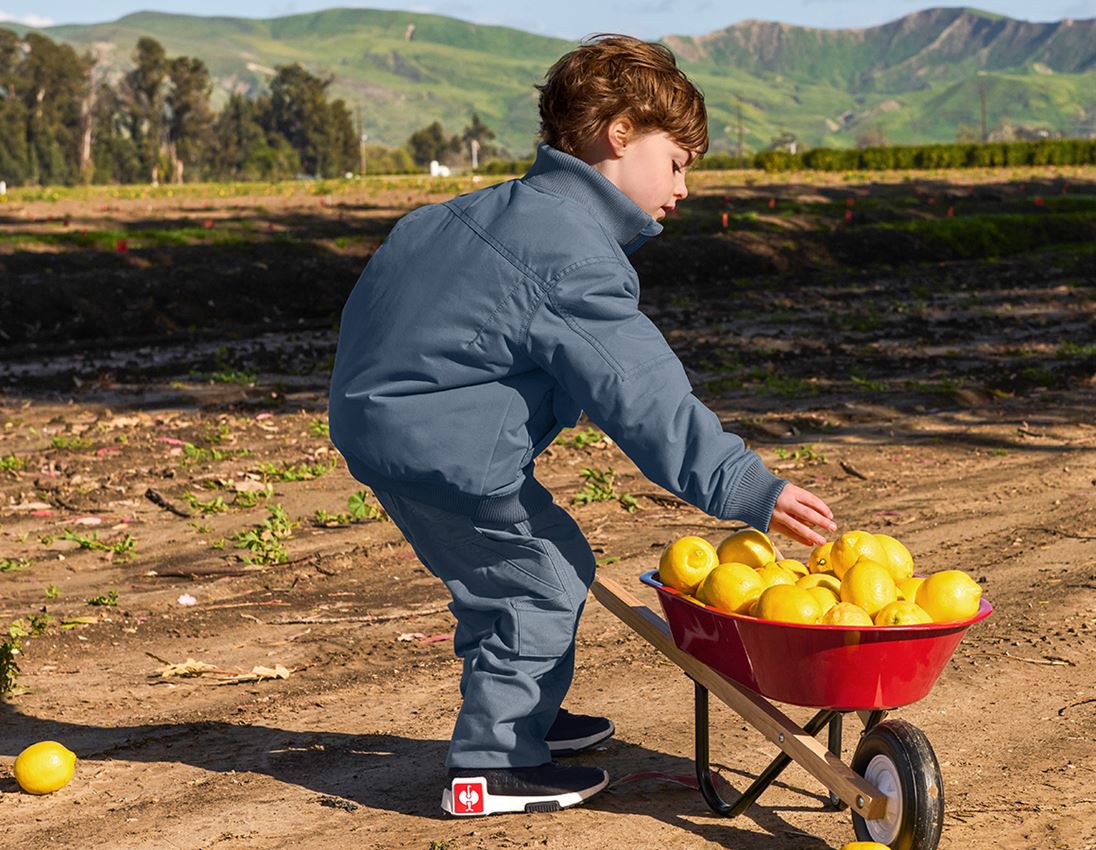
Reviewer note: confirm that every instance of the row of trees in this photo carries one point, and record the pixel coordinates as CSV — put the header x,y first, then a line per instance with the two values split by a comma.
x,y
60,124
63,122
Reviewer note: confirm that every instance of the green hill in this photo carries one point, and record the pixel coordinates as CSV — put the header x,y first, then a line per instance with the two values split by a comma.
x,y
917,79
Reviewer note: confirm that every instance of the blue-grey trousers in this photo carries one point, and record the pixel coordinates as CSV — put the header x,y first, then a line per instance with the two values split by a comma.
x,y
518,591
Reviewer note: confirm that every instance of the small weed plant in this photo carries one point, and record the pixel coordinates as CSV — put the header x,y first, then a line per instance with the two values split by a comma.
x,y
598,487
264,541
581,439
108,599
11,463
121,550
295,472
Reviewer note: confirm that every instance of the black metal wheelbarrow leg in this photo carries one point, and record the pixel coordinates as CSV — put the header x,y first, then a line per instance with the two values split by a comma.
x,y
768,775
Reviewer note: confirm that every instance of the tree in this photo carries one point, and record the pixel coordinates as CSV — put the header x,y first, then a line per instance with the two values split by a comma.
x,y
246,151
113,152
143,93
428,144
189,117
299,111
14,162
53,82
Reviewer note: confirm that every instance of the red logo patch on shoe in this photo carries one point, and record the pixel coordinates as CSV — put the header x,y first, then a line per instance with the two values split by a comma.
x,y
468,797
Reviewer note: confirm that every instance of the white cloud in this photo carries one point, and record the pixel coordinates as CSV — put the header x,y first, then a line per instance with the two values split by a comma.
x,y
30,20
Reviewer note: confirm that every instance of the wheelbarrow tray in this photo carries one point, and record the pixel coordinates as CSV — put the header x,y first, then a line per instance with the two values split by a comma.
x,y
845,668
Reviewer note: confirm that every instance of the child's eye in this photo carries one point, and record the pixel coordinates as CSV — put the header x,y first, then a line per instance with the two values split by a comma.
x,y
677,168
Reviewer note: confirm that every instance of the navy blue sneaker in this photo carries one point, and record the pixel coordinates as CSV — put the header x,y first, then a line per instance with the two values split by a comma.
x,y
573,733
545,788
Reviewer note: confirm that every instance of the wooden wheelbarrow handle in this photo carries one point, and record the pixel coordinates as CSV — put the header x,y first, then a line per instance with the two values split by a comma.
x,y
808,752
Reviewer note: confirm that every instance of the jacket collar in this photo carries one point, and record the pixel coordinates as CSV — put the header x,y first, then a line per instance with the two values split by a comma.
x,y
562,174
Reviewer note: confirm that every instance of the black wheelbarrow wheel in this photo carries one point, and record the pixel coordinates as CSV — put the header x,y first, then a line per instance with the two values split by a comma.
x,y
896,757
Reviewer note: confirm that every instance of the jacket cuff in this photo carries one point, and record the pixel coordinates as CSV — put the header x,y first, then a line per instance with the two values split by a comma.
x,y
754,495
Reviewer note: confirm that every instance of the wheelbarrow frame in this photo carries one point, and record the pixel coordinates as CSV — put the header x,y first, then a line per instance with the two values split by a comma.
x,y
797,743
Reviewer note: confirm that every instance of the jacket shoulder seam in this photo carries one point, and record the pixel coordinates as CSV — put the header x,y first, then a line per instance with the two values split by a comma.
x,y
551,285
498,247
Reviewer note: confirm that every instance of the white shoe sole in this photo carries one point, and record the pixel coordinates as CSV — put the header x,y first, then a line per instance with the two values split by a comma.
x,y
468,797
576,745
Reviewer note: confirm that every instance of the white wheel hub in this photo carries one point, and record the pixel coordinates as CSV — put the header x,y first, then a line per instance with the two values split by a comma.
x,y
882,773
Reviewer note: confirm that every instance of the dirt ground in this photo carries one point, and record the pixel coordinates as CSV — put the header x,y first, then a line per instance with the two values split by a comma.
x,y
946,401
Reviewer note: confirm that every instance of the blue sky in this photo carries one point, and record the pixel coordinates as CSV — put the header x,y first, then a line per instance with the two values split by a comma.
x,y
563,18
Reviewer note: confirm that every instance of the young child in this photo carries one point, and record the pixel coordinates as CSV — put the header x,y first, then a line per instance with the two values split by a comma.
x,y
482,328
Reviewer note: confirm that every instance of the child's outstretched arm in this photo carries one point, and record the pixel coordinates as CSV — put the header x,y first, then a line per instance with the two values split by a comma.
x,y
590,335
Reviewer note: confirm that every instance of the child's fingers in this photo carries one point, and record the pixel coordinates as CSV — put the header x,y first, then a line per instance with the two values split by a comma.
x,y
797,531
806,497
812,517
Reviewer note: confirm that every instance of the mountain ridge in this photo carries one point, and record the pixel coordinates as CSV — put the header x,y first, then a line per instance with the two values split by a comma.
x,y
919,78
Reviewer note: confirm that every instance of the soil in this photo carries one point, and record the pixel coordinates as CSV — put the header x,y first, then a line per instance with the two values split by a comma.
x,y
945,401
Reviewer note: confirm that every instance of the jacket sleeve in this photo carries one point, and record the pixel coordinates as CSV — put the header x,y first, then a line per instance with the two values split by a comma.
x,y
590,335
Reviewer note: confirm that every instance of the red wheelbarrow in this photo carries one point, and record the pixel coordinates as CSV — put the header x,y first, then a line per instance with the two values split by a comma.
x,y
892,785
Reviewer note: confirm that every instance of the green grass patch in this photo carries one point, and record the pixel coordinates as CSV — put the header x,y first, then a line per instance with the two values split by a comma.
x,y
982,236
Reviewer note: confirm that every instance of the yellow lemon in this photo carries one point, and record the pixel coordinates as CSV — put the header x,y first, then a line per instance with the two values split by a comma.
x,y
793,566
896,558
850,547
846,614
825,597
749,546
901,614
686,562
828,580
865,845
908,589
949,595
819,559
731,587
775,574
869,585
788,604
44,767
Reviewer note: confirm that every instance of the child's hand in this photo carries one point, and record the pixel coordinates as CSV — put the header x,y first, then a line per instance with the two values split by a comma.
x,y
797,511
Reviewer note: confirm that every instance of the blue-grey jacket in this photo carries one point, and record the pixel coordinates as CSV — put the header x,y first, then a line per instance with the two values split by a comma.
x,y
486,324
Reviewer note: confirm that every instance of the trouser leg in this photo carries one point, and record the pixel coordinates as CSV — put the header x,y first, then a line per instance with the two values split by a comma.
x,y
518,592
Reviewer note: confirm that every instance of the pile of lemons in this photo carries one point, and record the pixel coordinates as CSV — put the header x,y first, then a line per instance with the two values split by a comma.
x,y
860,579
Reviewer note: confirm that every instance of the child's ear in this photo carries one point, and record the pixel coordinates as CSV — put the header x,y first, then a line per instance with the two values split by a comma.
x,y
619,132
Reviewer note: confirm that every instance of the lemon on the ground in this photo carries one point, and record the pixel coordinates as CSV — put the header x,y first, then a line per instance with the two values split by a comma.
x,y
865,845
828,580
788,604
850,547
825,597
773,573
949,595
897,558
868,584
796,568
901,613
44,767
908,589
846,614
686,562
749,546
731,587
819,559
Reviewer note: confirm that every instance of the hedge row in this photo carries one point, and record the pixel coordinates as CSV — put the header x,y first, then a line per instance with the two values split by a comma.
x,y
1050,152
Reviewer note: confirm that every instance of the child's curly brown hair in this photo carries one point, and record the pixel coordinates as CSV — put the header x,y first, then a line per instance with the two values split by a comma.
x,y
617,76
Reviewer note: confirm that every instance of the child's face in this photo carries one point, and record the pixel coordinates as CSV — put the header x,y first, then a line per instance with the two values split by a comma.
x,y
651,171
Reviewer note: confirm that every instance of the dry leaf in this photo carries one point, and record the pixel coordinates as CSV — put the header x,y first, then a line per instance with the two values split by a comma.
x,y
190,667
